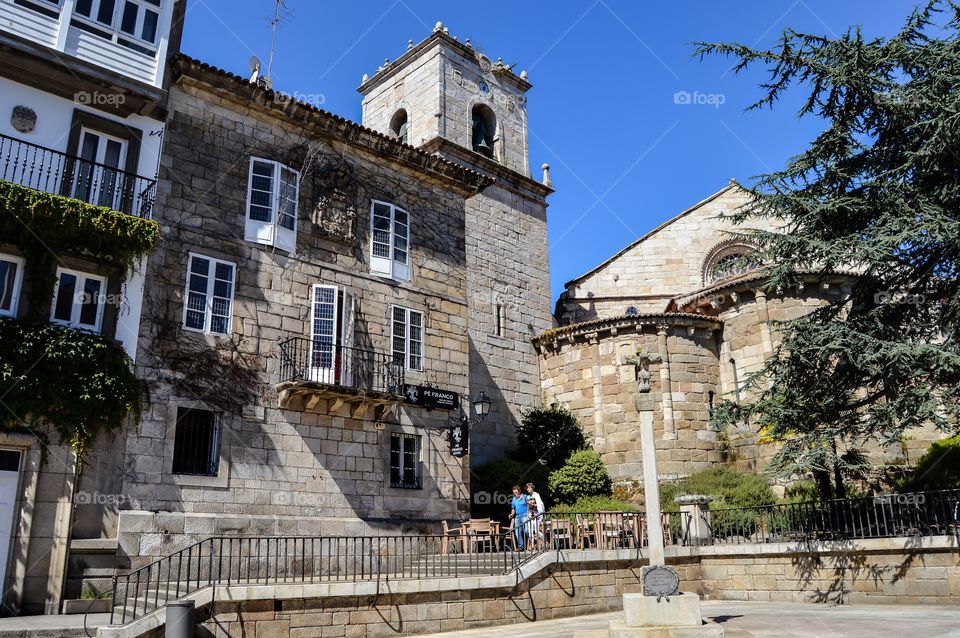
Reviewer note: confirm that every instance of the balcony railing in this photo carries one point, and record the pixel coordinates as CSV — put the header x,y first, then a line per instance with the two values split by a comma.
x,y
51,171
318,361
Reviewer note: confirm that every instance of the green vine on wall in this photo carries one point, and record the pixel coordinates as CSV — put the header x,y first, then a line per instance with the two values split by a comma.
x,y
45,226
75,383
54,378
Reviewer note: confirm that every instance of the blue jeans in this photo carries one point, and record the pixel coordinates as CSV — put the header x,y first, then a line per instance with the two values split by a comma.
x,y
520,529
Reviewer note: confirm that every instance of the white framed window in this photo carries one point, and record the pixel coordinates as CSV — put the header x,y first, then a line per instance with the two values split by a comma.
x,y
11,279
208,300
389,241
405,461
406,329
132,23
272,194
78,300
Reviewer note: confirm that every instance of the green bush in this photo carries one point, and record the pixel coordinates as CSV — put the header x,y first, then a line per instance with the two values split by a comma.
x,y
584,474
549,435
728,488
937,469
594,504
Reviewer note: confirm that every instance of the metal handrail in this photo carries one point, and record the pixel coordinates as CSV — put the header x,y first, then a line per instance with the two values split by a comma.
x,y
882,516
311,360
51,171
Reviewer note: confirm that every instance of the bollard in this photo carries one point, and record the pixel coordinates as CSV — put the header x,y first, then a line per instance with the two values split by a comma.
x,y
180,619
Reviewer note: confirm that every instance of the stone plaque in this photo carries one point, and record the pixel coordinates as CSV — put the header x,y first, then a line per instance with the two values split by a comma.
x,y
24,119
660,581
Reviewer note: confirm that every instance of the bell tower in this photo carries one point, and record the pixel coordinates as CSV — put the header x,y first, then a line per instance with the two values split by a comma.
x,y
444,88
445,97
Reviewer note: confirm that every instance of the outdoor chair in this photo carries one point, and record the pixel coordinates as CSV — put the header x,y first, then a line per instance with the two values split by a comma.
x,y
560,532
453,535
587,530
482,530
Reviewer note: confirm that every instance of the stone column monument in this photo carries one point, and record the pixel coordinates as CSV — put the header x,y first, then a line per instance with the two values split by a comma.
x,y
661,610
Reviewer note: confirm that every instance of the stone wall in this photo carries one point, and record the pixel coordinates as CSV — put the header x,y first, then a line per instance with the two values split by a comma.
x,y
584,370
508,274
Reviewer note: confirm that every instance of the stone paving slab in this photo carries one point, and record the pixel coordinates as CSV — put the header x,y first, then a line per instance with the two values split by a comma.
x,y
53,626
770,620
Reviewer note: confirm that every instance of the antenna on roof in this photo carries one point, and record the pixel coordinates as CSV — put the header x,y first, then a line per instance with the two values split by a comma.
x,y
280,13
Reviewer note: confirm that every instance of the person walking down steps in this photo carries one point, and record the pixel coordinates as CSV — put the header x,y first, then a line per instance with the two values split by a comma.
x,y
518,516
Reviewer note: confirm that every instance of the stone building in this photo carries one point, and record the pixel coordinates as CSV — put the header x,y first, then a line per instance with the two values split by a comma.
x,y
327,299
677,296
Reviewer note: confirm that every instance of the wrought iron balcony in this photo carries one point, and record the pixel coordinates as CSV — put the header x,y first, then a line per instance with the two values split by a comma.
x,y
51,171
322,369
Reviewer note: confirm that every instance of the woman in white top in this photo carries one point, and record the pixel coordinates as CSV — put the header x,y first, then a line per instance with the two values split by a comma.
x,y
535,510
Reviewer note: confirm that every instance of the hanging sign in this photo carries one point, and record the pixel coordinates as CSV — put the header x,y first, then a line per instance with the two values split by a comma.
x,y
460,438
431,398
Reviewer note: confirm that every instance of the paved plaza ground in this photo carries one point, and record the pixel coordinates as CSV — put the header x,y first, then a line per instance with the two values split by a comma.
x,y
740,620
771,620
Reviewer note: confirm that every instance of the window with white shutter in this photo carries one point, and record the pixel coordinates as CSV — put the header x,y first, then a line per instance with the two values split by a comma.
x,y
407,337
208,300
272,194
389,241
11,278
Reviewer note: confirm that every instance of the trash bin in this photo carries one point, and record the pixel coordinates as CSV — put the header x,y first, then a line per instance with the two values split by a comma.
x,y
180,619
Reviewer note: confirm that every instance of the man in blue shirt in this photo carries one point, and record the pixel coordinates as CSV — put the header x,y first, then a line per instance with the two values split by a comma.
x,y
519,514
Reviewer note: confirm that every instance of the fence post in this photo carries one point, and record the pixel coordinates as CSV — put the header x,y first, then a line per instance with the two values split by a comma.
x,y
695,515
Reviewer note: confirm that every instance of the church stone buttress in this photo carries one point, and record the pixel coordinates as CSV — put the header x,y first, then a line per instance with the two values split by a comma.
x,y
446,97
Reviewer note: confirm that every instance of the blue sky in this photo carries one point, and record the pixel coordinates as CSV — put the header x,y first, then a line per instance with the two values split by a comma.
x,y
603,111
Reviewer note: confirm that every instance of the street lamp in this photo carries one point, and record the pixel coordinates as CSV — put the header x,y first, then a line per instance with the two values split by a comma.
x,y
460,427
482,405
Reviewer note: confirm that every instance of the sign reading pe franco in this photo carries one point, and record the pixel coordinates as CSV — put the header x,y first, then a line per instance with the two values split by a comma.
x,y
430,398
660,581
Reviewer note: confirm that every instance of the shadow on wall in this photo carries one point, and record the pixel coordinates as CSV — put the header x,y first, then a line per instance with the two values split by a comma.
x,y
832,577
496,436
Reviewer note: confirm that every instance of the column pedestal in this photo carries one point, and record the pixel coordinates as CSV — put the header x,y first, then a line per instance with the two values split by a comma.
x,y
644,617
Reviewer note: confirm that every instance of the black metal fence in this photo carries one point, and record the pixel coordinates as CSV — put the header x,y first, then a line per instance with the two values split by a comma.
x,y
913,514
51,171
483,547
318,361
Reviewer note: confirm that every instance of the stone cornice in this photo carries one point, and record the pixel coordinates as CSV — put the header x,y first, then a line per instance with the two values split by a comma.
x,y
505,177
600,328
717,295
437,37
185,68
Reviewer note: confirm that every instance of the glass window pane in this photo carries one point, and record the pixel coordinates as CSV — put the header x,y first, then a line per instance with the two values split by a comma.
x,y
105,13
149,32
200,265
8,276
66,292
128,22
90,302
83,7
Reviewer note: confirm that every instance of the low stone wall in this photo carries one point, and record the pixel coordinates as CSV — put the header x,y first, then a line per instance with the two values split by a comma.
x,y
582,582
895,570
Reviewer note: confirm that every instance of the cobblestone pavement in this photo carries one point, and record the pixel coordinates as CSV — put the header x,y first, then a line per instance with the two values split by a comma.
x,y
771,620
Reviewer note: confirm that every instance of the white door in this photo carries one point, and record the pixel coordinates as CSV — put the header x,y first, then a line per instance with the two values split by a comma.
x,y
9,479
98,178
323,351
